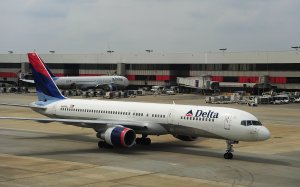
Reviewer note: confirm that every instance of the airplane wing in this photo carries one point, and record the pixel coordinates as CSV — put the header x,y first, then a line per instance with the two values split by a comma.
x,y
96,124
27,80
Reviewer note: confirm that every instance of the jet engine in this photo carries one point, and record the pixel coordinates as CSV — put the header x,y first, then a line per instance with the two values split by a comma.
x,y
185,138
119,136
111,87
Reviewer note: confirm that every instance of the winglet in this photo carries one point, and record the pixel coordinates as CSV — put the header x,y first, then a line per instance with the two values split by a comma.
x,y
45,86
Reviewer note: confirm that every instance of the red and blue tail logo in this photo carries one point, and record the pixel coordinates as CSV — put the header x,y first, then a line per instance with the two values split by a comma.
x,y
189,114
45,86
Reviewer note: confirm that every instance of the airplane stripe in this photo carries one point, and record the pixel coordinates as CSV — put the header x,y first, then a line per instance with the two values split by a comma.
x,y
122,137
37,64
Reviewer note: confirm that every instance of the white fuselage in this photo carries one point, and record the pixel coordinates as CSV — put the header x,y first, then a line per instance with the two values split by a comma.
x,y
196,121
90,81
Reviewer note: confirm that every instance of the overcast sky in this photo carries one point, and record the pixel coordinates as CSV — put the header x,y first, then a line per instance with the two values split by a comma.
x,y
131,26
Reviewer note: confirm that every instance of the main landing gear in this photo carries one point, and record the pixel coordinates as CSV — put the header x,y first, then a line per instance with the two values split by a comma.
x,y
143,140
103,144
229,150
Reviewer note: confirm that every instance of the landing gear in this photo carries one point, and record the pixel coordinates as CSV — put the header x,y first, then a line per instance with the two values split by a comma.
x,y
103,144
229,150
143,140
228,155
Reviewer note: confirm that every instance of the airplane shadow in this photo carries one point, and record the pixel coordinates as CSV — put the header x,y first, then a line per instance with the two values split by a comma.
x,y
175,146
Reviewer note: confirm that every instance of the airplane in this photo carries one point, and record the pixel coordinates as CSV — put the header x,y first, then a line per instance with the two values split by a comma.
x,y
117,122
106,82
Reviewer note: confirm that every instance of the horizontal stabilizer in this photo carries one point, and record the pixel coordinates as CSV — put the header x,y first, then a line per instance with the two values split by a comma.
x,y
27,80
19,105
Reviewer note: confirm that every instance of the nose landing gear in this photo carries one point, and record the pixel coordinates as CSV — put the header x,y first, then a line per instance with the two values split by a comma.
x,y
229,150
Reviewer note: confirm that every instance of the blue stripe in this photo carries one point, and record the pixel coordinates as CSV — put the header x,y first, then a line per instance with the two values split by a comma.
x,y
115,136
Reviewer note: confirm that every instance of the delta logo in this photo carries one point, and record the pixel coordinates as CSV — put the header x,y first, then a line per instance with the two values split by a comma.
x,y
202,114
189,114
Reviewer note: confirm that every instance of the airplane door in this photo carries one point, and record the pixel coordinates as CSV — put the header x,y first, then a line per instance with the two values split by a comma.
x,y
227,122
170,116
54,109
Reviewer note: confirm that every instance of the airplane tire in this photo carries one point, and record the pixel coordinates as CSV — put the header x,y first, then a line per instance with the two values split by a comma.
x,y
143,141
147,141
228,155
101,144
138,140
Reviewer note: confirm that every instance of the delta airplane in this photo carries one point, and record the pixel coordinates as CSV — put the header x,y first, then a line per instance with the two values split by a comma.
x,y
117,123
87,82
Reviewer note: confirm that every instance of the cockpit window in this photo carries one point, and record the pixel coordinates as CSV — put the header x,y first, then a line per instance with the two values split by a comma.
x,y
250,122
256,123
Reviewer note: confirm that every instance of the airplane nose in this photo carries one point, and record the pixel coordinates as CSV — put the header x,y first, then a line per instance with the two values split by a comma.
x,y
263,133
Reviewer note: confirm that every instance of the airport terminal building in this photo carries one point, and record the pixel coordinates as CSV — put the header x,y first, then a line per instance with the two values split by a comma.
x,y
280,69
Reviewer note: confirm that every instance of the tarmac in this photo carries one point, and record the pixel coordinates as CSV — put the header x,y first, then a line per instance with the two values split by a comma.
x,y
53,154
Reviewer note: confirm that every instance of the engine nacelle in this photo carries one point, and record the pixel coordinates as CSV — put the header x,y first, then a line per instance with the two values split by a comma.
x,y
185,138
119,136
111,87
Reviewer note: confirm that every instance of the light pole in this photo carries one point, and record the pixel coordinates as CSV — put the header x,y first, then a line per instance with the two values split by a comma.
x,y
223,49
149,50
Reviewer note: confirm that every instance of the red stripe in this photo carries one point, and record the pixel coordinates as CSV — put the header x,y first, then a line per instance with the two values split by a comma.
x,y
59,74
131,77
8,74
278,80
245,79
122,137
217,78
163,77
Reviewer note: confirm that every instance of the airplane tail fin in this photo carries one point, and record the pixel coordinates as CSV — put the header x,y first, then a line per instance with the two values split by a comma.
x,y
49,71
45,86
